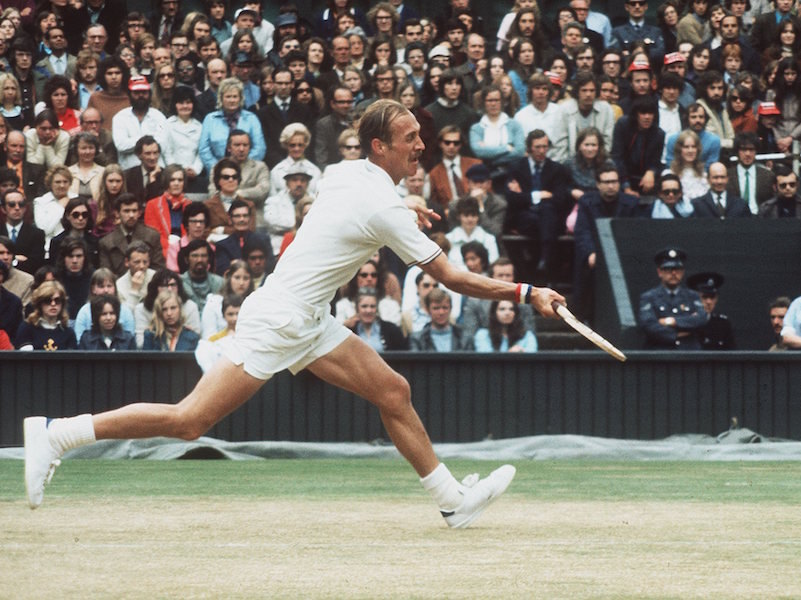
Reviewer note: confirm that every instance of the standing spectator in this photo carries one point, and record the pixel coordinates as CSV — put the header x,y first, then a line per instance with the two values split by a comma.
x,y
636,30
167,332
439,334
637,147
113,78
717,203
166,20
538,197
58,61
106,332
218,125
28,239
47,328
670,314
506,331
786,203
131,124
608,202
114,246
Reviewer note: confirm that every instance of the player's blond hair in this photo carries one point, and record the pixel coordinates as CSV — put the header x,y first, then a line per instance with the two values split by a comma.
x,y
376,122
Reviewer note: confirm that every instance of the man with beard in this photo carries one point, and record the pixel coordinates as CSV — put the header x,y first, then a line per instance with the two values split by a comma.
x,y
696,122
730,34
711,91
130,124
114,246
198,280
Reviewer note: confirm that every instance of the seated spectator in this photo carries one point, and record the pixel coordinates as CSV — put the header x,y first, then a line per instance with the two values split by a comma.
x,y
106,332
688,167
78,224
747,179
469,230
102,283
279,209
379,334
491,206
711,91
231,115
11,101
17,282
409,96
198,279
87,175
328,128
786,94
10,308
475,257
439,334
58,97
349,149
164,213
295,139
114,245
416,316
369,275
590,155
259,256
776,312
786,202
506,331
717,203
132,285
112,76
195,221
74,272
167,331
48,210
144,180
740,106
447,176
182,139
696,122
670,202
162,280
209,351
45,143
239,282
47,328
28,239
226,176
130,125
637,147
540,112
230,248
496,138
448,108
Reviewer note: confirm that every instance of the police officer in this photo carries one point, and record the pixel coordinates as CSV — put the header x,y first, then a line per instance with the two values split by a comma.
x,y
670,314
717,334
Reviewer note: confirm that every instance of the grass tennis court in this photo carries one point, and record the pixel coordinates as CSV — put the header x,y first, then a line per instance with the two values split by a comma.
x,y
365,529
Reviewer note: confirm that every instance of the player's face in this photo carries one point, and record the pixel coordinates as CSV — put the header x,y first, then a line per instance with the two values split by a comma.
x,y
403,154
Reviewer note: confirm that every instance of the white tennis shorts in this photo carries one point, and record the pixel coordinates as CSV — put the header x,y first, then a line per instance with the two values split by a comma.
x,y
277,331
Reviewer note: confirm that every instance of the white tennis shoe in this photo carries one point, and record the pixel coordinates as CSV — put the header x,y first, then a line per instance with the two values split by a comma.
x,y
41,459
478,495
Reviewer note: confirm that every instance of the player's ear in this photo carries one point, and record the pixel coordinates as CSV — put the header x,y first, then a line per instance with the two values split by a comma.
x,y
377,146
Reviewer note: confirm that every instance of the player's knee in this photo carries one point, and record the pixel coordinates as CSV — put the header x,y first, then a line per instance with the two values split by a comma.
x,y
189,425
396,395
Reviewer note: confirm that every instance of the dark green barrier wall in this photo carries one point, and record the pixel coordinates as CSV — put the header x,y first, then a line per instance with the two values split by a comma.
x,y
459,397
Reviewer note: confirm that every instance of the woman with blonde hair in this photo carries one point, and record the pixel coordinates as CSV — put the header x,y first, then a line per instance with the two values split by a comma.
x,y
46,328
163,88
48,209
295,138
11,101
689,168
167,332
86,172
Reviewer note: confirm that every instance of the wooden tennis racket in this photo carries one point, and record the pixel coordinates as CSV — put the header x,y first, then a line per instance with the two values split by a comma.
x,y
569,318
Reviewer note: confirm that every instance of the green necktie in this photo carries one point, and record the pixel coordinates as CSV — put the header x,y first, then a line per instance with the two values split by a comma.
x,y
747,190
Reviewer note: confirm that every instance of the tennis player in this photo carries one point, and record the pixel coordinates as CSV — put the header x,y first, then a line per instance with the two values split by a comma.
x,y
286,324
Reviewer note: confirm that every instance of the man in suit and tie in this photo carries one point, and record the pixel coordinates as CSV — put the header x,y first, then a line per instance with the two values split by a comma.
x,y
448,178
144,180
58,62
717,203
752,182
283,110
130,229
231,248
538,197
28,239
31,176
329,127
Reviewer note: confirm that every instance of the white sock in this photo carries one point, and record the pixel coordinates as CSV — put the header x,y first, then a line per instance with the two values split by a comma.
x,y
72,432
443,488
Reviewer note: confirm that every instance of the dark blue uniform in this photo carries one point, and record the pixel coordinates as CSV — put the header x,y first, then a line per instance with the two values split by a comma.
x,y
684,305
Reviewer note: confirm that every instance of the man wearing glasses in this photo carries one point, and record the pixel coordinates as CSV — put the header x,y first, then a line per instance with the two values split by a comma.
x,y
637,30
329,127
786,203
28,239
670,314
670,202
448,178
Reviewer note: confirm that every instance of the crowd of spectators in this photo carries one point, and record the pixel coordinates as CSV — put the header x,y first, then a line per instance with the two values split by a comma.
x,y
154,167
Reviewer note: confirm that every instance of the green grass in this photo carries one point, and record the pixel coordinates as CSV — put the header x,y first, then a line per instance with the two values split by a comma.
x,y
578,480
